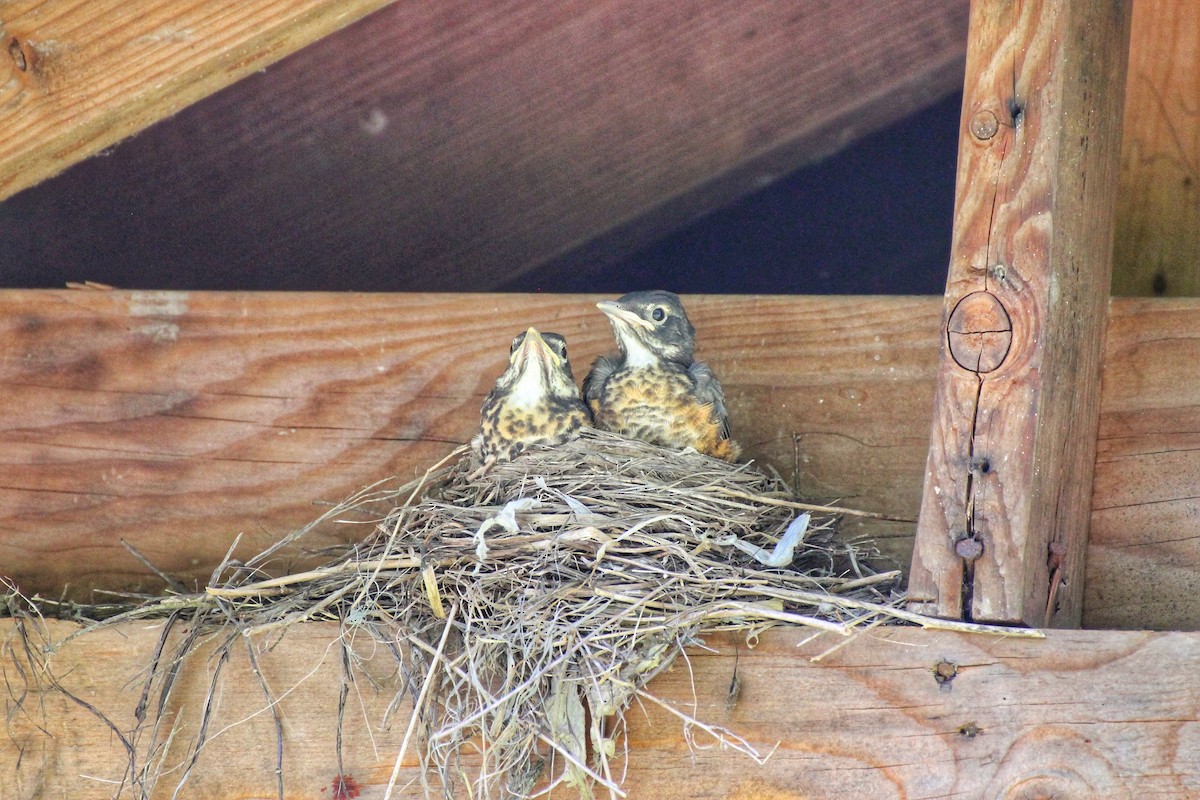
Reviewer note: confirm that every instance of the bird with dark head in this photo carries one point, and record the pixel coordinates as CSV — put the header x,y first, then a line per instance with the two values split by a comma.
x,y
654,389
534,402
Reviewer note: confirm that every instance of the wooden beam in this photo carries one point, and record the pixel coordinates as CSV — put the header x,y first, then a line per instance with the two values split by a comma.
x,y
1004,516
176,421
1080,715
457,144
80,75
1157,246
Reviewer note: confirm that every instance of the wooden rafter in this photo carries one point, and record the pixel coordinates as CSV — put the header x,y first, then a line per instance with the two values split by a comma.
x,y
456,143
77,76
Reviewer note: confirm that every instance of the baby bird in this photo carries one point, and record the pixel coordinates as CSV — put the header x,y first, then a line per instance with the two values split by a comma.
x,y
535,401
654,390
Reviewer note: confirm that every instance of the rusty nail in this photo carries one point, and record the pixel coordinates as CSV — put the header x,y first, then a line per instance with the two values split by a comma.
x,y
944,671
984,125
969,548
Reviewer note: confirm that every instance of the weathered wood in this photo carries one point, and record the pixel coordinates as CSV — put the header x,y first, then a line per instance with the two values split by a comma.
x,y
1157,245
1109,715
1143,557
79,75
458,143
1004,515
176,421
248,408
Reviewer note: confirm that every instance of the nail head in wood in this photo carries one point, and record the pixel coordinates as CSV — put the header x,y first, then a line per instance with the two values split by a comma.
x,y
945,671
968,549
984,125
979,332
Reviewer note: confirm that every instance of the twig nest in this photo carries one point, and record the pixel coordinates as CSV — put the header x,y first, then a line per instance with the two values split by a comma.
x,y
572,575
528,603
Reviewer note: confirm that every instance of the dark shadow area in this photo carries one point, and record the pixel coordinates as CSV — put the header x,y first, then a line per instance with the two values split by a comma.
x,y
874,218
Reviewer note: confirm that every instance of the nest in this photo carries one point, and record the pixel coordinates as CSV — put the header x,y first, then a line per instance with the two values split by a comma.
x,y
528,605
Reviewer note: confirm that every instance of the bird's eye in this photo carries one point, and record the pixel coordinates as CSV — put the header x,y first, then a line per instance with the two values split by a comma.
x,y
516,342
658,314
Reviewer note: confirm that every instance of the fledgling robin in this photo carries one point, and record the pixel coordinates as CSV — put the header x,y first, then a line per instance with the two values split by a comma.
x,y
535,400
654,390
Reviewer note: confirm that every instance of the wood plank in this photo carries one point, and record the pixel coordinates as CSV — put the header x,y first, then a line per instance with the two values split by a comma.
x,y
1079,716
1157,246
1143,563
80,75
1004,516
177,421
456,144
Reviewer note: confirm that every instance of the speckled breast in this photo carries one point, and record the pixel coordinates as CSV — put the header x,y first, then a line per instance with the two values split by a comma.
x,y
657,405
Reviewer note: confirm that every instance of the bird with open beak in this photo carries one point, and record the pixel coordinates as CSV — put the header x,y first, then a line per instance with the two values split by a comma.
x,y
654,389
534,402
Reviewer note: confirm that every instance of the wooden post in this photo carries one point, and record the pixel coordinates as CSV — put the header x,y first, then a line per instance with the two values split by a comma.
x,y
1008,479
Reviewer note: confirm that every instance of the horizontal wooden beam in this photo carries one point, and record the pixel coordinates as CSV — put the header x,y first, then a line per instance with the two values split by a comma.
x,y
177,421
899,713
77,76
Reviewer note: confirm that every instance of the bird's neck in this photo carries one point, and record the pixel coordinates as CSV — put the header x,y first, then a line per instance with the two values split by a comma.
x,y
529,389
636,354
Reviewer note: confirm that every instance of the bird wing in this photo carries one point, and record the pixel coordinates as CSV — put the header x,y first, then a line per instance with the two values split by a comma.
x,y
708,390
593,384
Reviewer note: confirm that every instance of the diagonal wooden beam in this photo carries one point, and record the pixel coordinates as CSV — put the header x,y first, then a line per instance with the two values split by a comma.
x,y
77,76
1007,488
457,143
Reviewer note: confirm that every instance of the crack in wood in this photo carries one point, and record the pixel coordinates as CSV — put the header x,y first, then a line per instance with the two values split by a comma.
x,y
969,522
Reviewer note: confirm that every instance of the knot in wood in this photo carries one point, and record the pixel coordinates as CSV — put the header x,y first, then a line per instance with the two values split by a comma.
x,y
979,332
984,125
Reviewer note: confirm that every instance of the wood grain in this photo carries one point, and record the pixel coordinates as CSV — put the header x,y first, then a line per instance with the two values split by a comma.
x,y
178,421
1079,716
1143,563
461,143
76,76
1157,246
1005,512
